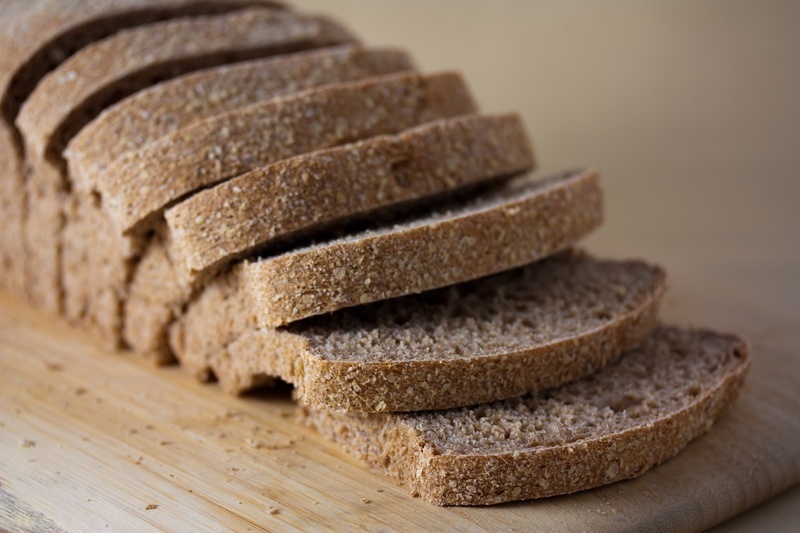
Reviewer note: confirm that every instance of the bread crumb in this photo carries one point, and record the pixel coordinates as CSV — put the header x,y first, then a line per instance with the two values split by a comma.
x,y
366,500
273,510
27,443
52,366
150,507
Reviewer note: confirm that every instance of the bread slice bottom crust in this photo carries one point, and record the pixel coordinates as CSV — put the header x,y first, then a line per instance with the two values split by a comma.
x,y
613,425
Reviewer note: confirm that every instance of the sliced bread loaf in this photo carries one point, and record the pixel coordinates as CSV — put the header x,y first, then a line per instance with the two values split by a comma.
x,y
613,425
175,104
498,337
514,225
270,204
103,72
141,183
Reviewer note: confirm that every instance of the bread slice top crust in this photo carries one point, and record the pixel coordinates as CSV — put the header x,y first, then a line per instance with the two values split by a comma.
x,y
36,36
535,327
92,78
270,204
141,183
613,425
169,106
517,224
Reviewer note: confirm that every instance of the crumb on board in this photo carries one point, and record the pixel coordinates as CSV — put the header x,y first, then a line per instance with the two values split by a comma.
x,y
273,510
366,500
27,443
150,507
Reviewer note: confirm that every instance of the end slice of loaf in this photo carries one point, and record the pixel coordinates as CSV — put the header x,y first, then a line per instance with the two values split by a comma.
x,y
613,425
226,222
169,106
83,85
518,224
498,337
141,183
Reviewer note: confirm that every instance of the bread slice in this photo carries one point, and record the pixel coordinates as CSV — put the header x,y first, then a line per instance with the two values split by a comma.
x,y
101,73
273,203
613,425
498,337
515,225
141,183
175,104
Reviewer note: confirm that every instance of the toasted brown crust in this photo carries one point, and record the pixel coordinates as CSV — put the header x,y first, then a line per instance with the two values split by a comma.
x,y
169,106
227,145
477,242
232,219
448,472
83,84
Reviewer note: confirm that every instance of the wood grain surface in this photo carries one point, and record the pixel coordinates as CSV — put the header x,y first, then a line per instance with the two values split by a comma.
x,y
689,110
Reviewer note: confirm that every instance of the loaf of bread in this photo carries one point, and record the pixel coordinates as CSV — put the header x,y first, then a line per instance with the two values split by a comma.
x,y
244,188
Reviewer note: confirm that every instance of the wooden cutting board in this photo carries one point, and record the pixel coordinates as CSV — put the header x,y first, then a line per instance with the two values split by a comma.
x,y
91,440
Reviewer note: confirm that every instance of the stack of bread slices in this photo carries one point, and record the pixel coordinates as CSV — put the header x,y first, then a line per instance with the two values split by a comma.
x,y
247,189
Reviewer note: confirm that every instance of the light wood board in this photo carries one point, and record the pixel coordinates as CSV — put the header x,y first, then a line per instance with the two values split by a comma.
x,y
690,111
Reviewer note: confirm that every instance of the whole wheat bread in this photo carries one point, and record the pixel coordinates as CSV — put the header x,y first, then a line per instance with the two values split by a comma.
x,y
67,98
141,183
169,106
613,425
517,224
520,223
218,225
35,38
498,337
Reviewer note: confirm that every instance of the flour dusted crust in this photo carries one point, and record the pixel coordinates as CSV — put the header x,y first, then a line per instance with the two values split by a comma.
x,y
233,219
169,106
613,425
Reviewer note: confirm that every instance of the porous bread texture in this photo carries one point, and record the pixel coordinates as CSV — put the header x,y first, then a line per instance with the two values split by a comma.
x,y
175,104
479,158
518,224
613,425
498,337
152,295
269,204
35,38
141,183
67,98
